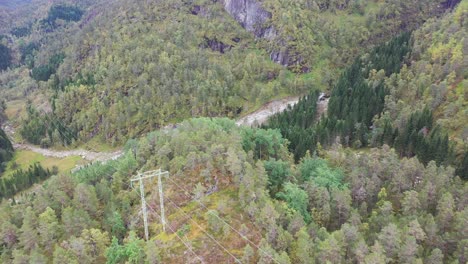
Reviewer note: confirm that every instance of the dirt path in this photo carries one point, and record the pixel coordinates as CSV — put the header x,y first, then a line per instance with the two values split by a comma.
x,y
85,154
261,115
254,119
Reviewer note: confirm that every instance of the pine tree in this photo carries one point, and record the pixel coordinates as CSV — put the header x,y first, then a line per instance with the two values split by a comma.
x,y
304,248
462,168
49,229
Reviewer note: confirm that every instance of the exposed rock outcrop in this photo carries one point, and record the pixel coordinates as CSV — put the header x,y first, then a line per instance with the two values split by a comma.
x,y
198,10
280,56
216,45
252,16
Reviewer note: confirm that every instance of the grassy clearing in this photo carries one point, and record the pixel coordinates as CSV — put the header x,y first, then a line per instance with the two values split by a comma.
x,y
24,158
15,109
95,144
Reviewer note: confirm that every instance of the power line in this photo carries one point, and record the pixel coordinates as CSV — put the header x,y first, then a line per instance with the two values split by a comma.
x,y
204,231
147,175
172,230
175,233
185,191
90,146
59,130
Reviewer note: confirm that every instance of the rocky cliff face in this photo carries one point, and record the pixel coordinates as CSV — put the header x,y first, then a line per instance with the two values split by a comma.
x,y
251,15
254,18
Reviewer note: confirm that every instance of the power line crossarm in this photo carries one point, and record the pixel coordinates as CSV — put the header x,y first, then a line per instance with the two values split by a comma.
x,y
147,175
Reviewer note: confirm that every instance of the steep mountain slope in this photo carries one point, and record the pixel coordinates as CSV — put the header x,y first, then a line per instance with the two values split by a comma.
x,y
437,79
223,83
328,34
437,76
139,66
180,65
237,194
375,103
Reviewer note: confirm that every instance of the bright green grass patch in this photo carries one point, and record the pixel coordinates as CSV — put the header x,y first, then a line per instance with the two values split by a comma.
x,y
24,158
95,144
371,7
461,88
15,109
346,19
307,76
317,74
165,237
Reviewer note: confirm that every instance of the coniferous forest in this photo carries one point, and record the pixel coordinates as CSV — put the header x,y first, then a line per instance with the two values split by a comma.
x,y
6,150
370,165
353,103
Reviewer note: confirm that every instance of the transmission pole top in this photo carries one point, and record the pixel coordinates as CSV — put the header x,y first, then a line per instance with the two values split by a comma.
x,y
146,175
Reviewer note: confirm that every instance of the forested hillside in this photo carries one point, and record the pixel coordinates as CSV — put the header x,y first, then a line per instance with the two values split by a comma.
x,y
6,150
370,166
230,71
373,103
353,103
339,207
188,58
330,34
436,82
